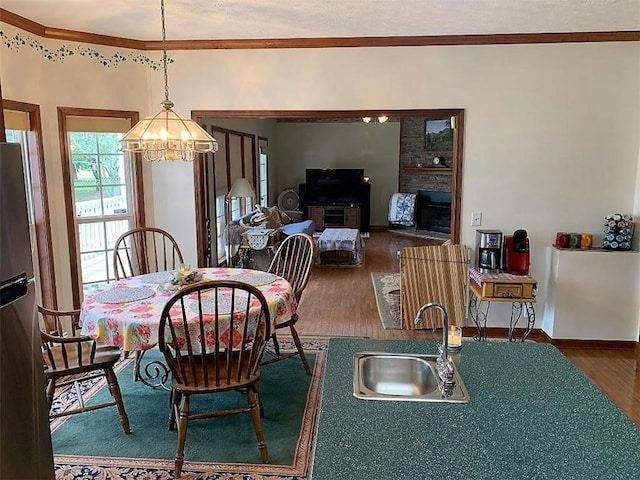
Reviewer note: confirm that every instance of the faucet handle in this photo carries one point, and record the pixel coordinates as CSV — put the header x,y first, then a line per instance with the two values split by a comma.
x,y
446,371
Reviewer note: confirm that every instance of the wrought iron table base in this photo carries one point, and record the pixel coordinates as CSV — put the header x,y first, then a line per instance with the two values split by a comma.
x,y
479,315
155,374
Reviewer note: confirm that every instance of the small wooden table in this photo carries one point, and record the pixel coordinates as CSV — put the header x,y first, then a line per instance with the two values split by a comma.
x,y
519,290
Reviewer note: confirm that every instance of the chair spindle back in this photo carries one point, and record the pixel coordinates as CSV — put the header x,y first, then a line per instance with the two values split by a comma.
x,y
145,250
213,334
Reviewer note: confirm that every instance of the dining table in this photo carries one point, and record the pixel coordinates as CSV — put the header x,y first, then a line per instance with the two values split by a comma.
x,y
126,313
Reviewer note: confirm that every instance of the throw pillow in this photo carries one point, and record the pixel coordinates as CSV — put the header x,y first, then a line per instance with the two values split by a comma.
x,y
284,218
245,221
273,217
258,219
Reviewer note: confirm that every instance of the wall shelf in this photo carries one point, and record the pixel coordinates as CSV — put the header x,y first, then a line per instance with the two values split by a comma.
x,y
440,170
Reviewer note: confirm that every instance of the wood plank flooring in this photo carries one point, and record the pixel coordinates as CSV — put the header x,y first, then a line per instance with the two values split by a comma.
x,y
340,302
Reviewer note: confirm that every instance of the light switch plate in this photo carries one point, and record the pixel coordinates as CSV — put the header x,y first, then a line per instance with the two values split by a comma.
x,y
476,219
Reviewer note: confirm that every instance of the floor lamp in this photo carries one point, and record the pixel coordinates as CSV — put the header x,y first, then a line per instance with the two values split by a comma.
x,y
241,188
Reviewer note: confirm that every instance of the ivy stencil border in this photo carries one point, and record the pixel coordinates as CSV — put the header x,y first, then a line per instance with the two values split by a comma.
x,y
18,41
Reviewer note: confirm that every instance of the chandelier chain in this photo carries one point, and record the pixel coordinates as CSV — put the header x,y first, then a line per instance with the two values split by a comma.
x,y
164,53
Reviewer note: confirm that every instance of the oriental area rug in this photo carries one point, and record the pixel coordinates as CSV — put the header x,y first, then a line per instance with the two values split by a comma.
x,y
386,287
92,445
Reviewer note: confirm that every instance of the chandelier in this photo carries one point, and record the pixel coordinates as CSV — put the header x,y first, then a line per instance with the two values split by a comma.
x,y
167,135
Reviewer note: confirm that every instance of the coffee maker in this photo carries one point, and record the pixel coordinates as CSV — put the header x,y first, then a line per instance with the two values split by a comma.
x,y
516,253
489,250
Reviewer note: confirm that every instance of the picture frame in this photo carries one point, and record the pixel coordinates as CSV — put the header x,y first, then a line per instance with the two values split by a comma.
x,y
438,132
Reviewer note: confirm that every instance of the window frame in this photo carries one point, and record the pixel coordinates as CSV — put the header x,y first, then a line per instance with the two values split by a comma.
x,y
136,182
35,157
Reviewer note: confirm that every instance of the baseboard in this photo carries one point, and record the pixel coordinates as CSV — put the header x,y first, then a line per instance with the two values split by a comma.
x,y
593,344
539,335
503,332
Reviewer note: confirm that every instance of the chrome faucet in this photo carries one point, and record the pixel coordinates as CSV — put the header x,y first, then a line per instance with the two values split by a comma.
x,y
444,366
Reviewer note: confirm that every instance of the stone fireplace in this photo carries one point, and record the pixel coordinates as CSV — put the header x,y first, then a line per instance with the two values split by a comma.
x,y
430,181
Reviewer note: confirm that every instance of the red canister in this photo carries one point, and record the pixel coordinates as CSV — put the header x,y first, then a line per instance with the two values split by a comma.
x,y
562,240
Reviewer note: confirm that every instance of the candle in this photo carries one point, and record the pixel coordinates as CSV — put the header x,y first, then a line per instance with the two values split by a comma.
x,y
454,337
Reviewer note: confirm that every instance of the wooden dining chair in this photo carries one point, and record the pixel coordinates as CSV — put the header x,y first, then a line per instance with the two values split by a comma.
x,y
197,326
145,250
71,359
292,261
66,323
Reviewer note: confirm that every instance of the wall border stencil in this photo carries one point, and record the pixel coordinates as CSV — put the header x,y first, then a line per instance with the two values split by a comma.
x,y
17,41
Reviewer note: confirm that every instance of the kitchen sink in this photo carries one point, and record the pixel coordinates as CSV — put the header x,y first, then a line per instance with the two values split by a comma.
x,y
402,377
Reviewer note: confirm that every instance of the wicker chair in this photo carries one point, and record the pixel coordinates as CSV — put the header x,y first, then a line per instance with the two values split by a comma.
x,y
196,327
292,261
72,359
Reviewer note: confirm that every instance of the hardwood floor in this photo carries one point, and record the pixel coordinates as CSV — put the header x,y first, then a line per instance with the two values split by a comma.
x,y
340,302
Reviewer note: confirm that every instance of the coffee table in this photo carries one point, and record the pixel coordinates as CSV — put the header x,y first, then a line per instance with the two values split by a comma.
x,y
339,245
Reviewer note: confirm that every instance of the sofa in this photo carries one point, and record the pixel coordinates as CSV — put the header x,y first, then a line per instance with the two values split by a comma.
x,y
287,222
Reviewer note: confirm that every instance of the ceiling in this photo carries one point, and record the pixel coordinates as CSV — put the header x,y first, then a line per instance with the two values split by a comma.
x,y
284,19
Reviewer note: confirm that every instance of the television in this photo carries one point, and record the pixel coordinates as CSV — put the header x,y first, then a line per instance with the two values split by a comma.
x,y
334,186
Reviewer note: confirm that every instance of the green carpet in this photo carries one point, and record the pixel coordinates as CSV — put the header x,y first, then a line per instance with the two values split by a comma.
x,y
93,444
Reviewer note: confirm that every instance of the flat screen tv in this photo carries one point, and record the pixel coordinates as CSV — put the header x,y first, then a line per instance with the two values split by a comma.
x,y
334,186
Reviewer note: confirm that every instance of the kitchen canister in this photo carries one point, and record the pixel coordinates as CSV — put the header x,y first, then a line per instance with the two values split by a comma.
x,y
617,233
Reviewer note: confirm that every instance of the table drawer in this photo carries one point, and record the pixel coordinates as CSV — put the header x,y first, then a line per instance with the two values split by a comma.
x,y
508,290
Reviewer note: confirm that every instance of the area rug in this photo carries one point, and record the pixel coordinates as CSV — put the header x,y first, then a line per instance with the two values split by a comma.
x,y
93,446
386,287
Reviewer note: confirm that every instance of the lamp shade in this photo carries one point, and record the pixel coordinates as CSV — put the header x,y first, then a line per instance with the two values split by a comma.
x,y
241,188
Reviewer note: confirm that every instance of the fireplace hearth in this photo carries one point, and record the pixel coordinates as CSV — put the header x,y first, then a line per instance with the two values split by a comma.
x,y
433,211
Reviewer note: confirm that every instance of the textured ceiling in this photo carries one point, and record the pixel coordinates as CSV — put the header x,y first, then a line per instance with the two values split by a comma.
x,y
261,19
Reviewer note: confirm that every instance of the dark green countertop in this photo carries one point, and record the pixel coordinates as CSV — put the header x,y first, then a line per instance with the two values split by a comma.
x,y
532,415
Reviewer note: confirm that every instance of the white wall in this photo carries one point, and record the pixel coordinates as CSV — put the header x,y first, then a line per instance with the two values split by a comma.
x,y
373,147
552,132
75,82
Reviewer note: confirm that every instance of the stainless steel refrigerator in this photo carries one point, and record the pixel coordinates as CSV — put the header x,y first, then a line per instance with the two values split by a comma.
x,y
25,438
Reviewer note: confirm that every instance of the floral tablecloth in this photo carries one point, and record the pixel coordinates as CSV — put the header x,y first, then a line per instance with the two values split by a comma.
x,y
126,313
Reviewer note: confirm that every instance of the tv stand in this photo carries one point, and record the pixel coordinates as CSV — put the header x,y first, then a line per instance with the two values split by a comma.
x,y
324,216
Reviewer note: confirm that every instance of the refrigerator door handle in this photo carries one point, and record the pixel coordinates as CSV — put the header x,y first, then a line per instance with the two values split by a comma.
x,y
14,289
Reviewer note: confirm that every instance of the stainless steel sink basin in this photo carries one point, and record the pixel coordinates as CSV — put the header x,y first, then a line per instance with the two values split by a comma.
x,y
406,377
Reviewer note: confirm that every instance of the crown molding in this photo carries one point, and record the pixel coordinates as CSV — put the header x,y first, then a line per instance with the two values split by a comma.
x,y
336,42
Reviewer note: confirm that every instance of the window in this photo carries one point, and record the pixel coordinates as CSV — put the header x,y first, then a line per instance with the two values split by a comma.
x,y
220,226
102,202
20,136
102,194
263,179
